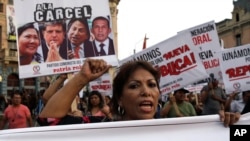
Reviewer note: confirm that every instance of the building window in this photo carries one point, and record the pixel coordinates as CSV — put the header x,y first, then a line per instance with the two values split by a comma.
x,y
12,53
237,17
11,2
12,45
238,40
1,7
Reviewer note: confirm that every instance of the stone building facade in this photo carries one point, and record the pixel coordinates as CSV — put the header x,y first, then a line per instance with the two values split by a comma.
x,y
236,31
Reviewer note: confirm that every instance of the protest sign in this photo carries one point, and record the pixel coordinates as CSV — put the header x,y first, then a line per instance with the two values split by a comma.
x,y
102,84
177,60
205,39
195,88
56,36
235,68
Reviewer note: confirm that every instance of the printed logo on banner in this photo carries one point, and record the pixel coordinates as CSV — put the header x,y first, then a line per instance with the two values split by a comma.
x,y
36,69
236,86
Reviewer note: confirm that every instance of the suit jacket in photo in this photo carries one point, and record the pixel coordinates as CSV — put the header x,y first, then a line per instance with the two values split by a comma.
x,y
87,48
111,49
62,50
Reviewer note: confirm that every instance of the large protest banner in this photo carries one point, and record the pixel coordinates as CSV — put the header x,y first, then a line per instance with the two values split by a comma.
x,y
205,128
57,36
235,68
177,60
205,39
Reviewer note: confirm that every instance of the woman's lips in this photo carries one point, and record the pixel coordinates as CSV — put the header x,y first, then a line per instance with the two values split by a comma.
x,y
146,106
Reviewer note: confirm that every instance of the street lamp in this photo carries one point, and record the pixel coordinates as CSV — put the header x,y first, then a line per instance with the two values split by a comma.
x,y
138,43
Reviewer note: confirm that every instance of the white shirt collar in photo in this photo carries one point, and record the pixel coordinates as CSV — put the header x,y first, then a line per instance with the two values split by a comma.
x,y
106,47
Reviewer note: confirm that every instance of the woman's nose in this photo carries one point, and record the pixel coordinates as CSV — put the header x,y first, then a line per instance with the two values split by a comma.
x,y
145,91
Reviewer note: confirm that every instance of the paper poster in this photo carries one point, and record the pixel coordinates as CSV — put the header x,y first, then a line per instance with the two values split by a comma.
x,y
177,60
102,84
205,39
235,68
57,36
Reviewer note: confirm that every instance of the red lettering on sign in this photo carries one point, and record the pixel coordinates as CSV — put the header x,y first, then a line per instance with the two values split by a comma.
x,y
204,38
64,69
238,71
211,63
178,66
176,52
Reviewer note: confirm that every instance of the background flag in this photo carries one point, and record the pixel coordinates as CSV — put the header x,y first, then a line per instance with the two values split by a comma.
x,y
145,42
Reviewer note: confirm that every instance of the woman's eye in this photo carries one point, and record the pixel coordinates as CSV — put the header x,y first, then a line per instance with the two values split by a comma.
x,y
152,85
133,86
28,36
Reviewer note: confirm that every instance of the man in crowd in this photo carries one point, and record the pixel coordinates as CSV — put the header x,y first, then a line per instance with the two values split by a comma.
x,y
246,108
233,105
16,115
213,98
177,106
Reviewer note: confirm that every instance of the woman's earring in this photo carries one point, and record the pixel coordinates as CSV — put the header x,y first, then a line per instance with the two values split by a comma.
x,y
120,110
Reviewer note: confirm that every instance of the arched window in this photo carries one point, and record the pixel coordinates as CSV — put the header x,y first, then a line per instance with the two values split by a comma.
x,y
237,17
238,39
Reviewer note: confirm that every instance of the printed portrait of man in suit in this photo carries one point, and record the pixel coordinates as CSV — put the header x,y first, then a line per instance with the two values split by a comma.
x,y
78,34
102,43
54,45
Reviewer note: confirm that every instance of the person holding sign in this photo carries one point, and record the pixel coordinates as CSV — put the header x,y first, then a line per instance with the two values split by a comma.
x,y
213,98
28,43
49,92
103,45
177,106
53,44
78,36
135,92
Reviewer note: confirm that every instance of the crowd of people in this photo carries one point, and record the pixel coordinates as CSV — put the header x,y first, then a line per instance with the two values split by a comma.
x,y
135,96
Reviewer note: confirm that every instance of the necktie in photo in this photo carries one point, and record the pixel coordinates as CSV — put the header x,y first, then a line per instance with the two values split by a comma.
x,y
102,52
76,50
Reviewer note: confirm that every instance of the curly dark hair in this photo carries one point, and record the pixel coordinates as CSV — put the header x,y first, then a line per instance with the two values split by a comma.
x,y
125,71
97,93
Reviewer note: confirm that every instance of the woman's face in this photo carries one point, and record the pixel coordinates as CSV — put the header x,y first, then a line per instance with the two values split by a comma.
x,y
140,96
94,100
28,42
